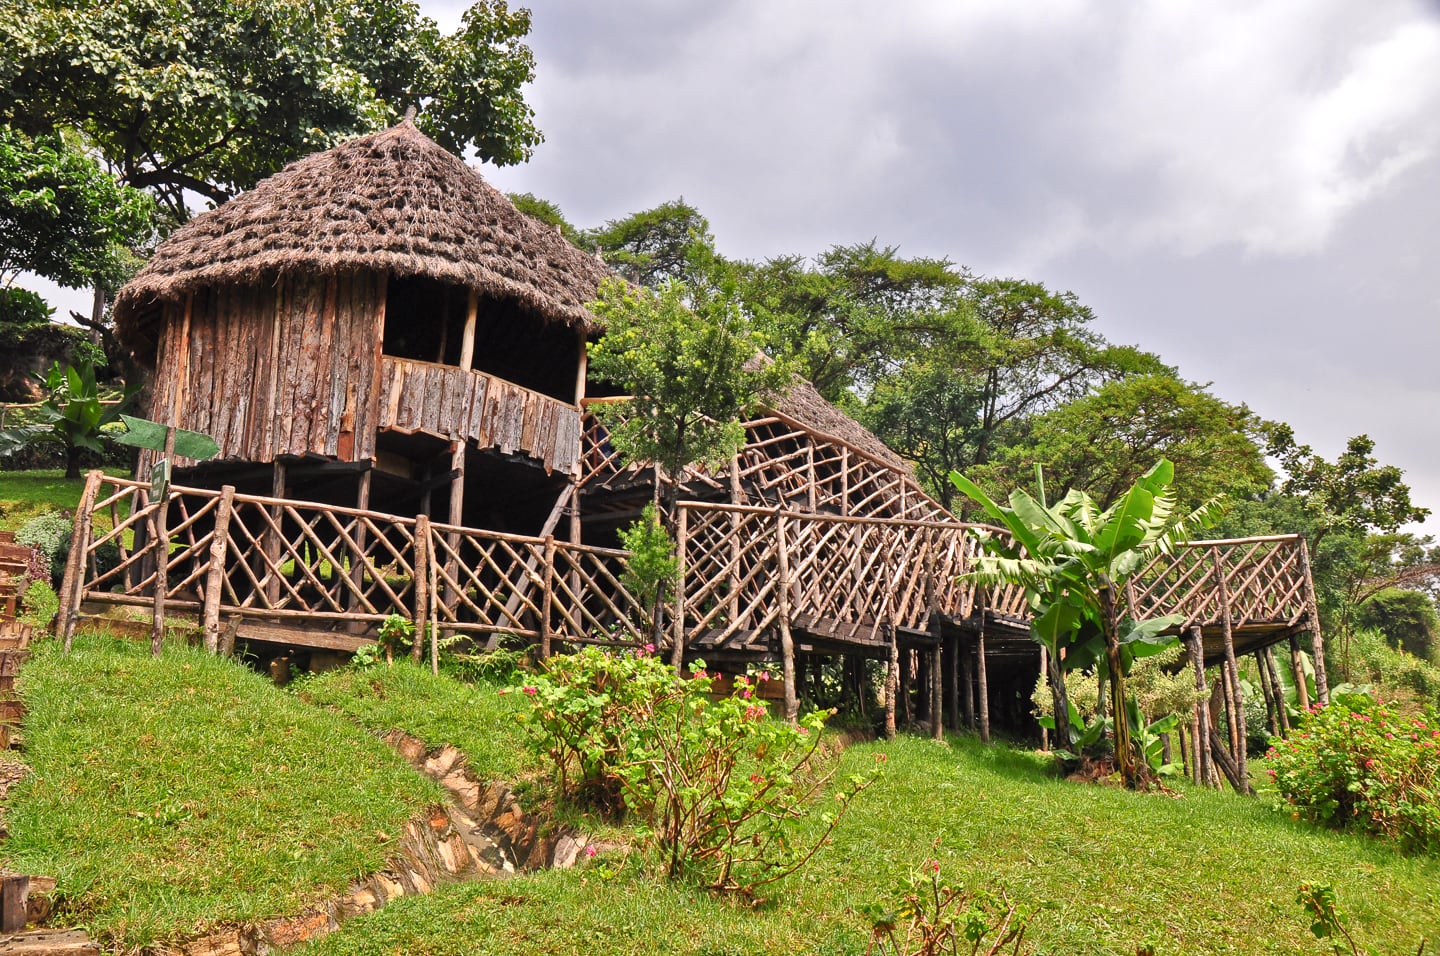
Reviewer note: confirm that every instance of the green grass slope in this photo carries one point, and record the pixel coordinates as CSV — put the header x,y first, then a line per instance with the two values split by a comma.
x,y
171,793
26,494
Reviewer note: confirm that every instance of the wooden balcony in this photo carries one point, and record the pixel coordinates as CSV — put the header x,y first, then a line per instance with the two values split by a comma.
x,y
456,403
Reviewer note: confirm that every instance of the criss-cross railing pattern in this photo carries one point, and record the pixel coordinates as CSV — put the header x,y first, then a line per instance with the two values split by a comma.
x,y
783,464
1256,580
744,570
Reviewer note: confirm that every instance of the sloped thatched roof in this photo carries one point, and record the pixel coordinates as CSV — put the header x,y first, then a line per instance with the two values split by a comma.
x,y
393,201
803,403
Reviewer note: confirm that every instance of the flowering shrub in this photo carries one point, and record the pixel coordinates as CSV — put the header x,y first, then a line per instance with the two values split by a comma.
x,y
1356,763
716,784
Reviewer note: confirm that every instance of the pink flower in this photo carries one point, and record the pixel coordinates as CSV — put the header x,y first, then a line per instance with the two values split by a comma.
x,y
755,778
589,851
754,712
745,693
763,675
649,648
530,691
504,691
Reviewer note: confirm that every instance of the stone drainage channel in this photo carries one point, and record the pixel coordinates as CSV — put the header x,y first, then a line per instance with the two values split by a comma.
x,y
481,832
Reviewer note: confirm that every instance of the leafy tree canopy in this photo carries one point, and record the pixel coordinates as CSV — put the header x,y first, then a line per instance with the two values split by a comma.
x,y
212,95
1104,441
671,242
62,216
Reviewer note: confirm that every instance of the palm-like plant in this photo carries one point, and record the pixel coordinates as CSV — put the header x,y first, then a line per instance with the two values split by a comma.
x,y
1073,558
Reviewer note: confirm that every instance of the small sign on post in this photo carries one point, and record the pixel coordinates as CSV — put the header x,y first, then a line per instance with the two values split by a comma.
x,y
160,479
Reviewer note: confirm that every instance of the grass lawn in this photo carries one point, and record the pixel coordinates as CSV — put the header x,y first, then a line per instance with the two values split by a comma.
x,y
173,793
1103,870
25,494
176,793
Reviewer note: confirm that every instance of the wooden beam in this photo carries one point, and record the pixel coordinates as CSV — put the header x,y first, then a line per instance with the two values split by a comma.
x,y
1201,723
467,338
421,580
215,573
892,679
1234,703
787,643
1312,615
72,586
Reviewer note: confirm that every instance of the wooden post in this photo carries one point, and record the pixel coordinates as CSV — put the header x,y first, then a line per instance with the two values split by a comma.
x,y
215,573
162,548
982,690
467,338
1283,706
434,622
547,600
787,643
892,679
845,480
811,496
72,587
272,536
1312,615
736,545
677,625
937,701
14,889
1297,667
1235,712
1233,698
1272,706
421,579
357,563
1196,647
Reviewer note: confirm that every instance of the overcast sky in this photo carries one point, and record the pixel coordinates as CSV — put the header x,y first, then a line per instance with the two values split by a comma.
x,y
1250,189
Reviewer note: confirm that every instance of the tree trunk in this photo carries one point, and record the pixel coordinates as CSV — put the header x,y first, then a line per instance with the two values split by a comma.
x,y
1124,758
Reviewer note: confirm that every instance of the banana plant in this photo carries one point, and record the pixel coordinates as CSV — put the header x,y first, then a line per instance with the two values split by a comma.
x,y
1073,558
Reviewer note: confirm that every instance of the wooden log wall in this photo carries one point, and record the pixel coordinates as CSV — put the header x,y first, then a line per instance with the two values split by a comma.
x,y
459,404
279,369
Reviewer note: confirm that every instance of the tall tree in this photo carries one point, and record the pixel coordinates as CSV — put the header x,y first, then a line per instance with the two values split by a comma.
x,y
1104,441
209,96
669,243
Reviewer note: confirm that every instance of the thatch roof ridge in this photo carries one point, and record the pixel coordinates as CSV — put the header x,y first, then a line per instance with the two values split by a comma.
x,y
393,201
803,403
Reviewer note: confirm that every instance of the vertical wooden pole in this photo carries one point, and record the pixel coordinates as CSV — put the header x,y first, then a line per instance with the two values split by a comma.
x,y
357,561
1234,701
677,624
1297,667
736,545
215,572
580,372
937,700
434,620
1044,678
787,642
982,690
1272,717
1312,615
892,679
467,338
421,579
1283,706
1196,648
547,601
272,536
811,492
162,547
845,481
72,586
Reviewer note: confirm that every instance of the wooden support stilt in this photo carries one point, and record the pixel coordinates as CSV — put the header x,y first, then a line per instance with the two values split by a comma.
x,y
1234,699
1297,668
982,681
1272,720
1283,710
1227,765
215,574
272,536
547,600
1187,762
72,586
787,643
892,680
162,543
1201,723
937,700
1312,616
1234,712
362,536
422,585
677,626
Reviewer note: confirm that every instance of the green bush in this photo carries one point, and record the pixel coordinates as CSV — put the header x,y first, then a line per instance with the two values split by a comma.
x,y
1373,660
1406,618
49,534
1358,764
718,786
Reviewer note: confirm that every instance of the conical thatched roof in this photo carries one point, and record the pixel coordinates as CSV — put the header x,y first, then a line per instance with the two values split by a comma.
x,y
393,201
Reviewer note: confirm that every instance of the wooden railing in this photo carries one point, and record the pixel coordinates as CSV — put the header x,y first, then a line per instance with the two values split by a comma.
x,y
458,403
783,464
744,570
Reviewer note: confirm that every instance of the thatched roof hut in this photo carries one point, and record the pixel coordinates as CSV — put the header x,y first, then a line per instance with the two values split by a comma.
x,y
392,202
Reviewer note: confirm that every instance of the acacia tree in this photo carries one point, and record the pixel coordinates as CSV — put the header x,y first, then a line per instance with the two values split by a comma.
x,y
691,365
1073,559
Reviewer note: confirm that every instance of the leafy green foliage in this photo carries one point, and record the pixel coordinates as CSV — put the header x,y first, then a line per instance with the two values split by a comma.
x,y
1406,618
213,97
1360,764
1072,558
62,216
397,634
652,565
931,917
653,247
72,415
687,359
49,534
719,787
